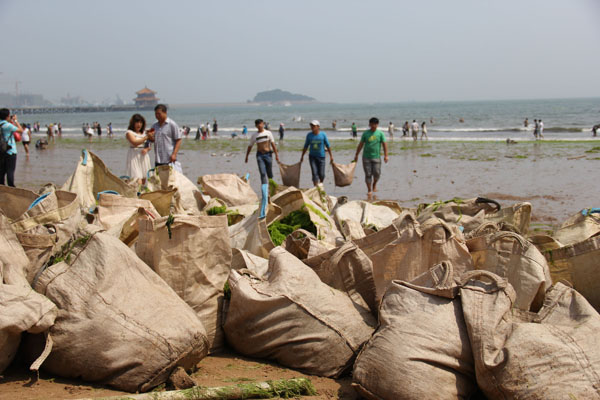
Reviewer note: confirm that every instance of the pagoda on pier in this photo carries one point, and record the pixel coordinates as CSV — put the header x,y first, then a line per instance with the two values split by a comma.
x,y
146,99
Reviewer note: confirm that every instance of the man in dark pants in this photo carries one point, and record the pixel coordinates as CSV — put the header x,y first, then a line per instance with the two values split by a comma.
x,y
265,146
317,141
9,125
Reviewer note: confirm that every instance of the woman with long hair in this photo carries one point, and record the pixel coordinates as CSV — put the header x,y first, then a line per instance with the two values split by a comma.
x,y
138,160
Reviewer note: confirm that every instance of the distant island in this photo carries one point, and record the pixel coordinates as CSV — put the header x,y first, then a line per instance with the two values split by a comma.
x,y
281,96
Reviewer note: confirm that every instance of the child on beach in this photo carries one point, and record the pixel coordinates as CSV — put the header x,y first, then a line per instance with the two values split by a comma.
x,y
318,142
265,146
372,140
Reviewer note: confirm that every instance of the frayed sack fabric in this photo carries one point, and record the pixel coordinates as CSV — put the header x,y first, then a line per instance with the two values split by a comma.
x,y
304,244
119,323
295,319
91,176
230,188
518,216
366,214
42,223
579,227
343,175
511,256
551,354
578,264
290,174
468,213
350,271
421,348
166,177
14,263
192,255
244,260
251,233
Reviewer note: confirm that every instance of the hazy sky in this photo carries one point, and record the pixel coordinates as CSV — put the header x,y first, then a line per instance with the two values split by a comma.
x,y
339,51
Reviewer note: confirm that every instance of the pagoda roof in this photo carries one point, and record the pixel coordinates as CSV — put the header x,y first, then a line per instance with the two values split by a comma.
x,y
145,90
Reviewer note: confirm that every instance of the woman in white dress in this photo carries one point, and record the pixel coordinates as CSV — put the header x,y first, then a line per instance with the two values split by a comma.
x,y
138,159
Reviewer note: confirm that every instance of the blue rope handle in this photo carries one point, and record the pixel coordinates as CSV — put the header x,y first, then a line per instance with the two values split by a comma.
x,y
38,200
589,211
106,192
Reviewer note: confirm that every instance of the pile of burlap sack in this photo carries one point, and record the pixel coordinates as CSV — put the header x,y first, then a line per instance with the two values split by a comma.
x,y
112,283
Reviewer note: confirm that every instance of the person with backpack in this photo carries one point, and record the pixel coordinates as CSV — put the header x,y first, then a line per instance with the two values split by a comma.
x,y
9,127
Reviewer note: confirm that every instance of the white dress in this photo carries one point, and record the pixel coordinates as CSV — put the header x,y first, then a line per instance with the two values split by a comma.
x,y
138,164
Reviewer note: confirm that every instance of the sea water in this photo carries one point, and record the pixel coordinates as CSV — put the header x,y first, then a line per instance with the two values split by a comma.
x,y
564,119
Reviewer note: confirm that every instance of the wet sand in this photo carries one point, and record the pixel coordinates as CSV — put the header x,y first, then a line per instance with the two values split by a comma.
x,y
557,177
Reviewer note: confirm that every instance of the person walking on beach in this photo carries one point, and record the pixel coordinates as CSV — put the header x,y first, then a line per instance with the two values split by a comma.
x,y
244,130
265,147
536,128
317,141
99,128
405,129
334,124
166,137
215,127
109,130
526,123
595,130
414,129
372,140
9,126
424,131
59,128
281,131
391,130
354,130
50,133
540,129
138,159
26,138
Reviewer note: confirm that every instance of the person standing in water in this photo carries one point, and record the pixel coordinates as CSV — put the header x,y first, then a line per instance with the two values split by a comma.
x,y
281,131
9,125
265,147
354,130
424,131
414,129
26,138
317,141
334,125
391,130
526,123
215,127
405,129
540,129
536,128
372,140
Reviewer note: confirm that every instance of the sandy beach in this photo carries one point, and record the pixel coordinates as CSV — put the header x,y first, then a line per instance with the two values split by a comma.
x,y
553,175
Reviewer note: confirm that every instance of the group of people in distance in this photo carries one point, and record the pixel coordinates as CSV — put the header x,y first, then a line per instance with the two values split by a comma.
x,y
538,128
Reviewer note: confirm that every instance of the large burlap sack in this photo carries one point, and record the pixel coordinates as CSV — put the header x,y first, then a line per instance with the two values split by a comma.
x,y
318,195
579,227
295,319
244,260
14,263
230,188
251,233
162,200
21,310
91,176
290,174
416,249
468,213
579,265
551,354
351,271
343,175
511,256
293,200
421,348
193,256
366,214
119,215
42,223
165,177
119,323
303,244
517,216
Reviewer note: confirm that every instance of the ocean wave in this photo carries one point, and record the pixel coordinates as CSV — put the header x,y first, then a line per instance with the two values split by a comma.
x,y
510,129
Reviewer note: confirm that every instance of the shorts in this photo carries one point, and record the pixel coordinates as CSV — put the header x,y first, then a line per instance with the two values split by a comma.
x,y
25,142
372,168
317,167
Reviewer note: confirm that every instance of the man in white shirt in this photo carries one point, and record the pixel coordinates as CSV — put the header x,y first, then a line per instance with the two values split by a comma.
x,y
414,127
166,137
265,147
391,130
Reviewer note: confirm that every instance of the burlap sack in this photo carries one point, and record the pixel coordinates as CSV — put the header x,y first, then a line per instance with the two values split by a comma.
x,y
303,244
193,256
511,256
350,271
421,348
14,263
578,264
579,227
551,354
292,200
165,177
290,174
230,188
251,233
119,323
244,260
295,319
318,196
43,228
119,215
468,213
343,175
162,200
366,214
91,176
21,309
544,242
518,216
417,248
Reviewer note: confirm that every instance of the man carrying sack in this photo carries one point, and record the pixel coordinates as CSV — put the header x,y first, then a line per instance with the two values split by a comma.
x,y
317,141
372,140
265,146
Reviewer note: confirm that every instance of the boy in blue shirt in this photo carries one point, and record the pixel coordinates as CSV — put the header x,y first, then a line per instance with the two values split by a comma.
x,y
8,159
317,141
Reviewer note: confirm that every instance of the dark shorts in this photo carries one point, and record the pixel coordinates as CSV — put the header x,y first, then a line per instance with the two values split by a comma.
x,y
317,166
24,143
372,168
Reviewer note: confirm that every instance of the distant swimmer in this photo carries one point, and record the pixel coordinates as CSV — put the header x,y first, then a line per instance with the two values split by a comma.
x,y
526,123
461,120
405,129
431,120
424,131
414,128
510,141
595,129
391,130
